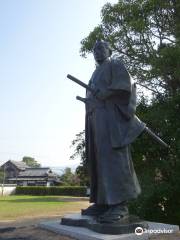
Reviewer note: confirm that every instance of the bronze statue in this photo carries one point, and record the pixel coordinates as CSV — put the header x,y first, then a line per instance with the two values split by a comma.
x,y
111,126
109,114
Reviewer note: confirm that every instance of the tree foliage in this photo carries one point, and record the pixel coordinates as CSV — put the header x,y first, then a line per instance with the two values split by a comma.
x,y
31,162
146,34
69,178
79,151
156,167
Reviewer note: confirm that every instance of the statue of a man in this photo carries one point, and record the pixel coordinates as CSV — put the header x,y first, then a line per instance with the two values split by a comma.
x,y
111,126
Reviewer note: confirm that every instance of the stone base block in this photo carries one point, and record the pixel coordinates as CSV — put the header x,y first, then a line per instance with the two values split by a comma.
x,y
128,225
82,233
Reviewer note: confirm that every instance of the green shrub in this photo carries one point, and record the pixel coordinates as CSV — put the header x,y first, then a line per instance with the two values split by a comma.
x,y
65,190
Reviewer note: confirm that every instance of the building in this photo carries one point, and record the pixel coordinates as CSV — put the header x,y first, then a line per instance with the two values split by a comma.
x,y
13,168
21,174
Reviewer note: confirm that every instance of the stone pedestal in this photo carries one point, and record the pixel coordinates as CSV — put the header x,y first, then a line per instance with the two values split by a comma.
x,y
128,225
84,233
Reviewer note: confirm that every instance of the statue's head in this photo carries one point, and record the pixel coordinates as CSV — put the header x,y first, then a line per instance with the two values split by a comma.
x,y
101,51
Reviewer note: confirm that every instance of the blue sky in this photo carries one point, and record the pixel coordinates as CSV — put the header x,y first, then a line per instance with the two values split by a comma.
x,y
39,46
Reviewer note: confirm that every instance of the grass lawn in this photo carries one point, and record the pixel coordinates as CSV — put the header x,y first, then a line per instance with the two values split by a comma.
x,y
23,206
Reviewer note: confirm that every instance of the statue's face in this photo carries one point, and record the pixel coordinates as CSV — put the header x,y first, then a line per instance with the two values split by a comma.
x,y
100,52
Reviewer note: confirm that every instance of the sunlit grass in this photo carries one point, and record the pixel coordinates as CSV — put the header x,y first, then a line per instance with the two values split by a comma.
x,y
14,207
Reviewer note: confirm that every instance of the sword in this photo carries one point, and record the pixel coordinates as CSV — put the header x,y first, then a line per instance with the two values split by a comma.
x,y
155,137
80,83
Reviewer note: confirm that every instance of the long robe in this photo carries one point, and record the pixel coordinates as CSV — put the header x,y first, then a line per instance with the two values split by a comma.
x,y
111,126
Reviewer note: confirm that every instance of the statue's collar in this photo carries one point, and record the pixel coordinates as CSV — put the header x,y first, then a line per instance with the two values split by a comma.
x,y
103,63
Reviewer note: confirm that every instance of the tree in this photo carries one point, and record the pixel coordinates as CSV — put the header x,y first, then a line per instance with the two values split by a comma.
x,y
69,178
79,151
146,34
158,168
31,162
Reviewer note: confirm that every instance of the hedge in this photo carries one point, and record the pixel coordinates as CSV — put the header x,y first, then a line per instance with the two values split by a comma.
x,y
40,190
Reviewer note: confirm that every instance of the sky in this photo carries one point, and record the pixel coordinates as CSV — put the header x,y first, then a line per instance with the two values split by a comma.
x,y
39,46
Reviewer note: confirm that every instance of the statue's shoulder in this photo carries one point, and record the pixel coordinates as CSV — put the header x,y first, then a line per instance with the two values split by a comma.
x,y
116,60
117,64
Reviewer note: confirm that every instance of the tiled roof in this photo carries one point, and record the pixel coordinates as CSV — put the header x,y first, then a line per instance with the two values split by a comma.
x,y
20,164
37,172
27,179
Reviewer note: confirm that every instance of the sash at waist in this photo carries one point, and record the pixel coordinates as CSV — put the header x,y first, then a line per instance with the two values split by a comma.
x,y
93,104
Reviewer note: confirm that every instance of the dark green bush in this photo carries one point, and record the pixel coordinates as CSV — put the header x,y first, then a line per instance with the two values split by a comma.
x,y
64,190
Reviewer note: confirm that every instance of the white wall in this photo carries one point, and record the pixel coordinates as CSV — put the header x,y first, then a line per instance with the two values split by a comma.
x,y
7,189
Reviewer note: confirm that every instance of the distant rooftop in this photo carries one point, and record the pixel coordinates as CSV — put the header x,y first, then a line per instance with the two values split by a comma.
x,y
20,165
37,172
